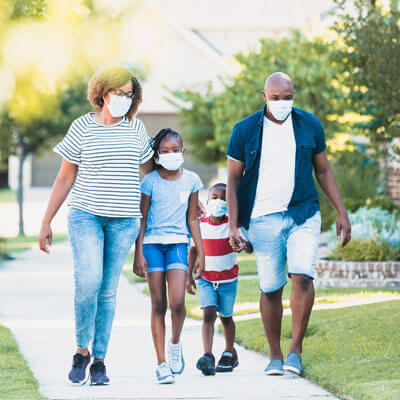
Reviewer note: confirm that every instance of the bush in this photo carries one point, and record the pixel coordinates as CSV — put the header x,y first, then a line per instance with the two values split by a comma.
x,y
375,236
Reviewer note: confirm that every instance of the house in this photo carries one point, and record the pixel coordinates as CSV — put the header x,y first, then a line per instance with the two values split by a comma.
x,y
184,43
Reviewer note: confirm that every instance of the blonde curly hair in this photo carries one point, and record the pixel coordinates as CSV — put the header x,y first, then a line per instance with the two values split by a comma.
x,y
110,78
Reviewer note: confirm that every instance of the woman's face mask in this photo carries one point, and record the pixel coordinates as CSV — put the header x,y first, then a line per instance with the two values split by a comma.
x,y
170,161
118,105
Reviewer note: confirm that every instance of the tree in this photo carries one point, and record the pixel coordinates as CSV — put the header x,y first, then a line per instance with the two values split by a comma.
x,y
370,56
316,76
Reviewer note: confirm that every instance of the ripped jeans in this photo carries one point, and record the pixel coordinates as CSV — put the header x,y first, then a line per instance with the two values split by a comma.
x,y
100,246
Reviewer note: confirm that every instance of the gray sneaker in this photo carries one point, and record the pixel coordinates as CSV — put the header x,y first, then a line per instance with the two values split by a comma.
x,y
164,374
176,360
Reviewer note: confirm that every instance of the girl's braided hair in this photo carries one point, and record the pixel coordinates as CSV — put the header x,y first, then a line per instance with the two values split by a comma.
x,y
166,132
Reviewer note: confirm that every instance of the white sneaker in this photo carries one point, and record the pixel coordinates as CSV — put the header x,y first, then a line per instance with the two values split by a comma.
x,y
176,360
164,374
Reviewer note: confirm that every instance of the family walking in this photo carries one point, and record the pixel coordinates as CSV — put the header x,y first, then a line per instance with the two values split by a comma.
x,y
269,206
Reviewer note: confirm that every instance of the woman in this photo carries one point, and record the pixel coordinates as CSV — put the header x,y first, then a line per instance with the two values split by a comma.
x,y
102,154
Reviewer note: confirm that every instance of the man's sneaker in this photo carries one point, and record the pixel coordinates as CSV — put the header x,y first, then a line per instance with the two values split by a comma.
x,y
164,374
293,363
228,361
206,364
98,374
275,367
176,361
78,371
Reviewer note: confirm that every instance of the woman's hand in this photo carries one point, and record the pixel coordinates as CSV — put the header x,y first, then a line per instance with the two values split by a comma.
x,y
199,266
236,241
45,237
190,285
140,265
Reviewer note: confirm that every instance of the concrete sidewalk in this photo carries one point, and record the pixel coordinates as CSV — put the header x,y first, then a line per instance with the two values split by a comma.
x,y
36,303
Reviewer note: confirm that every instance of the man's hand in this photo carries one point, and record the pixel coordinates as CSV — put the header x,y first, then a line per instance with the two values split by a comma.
x,y
343,228
45,237
190,285
199,266
236,241
140,266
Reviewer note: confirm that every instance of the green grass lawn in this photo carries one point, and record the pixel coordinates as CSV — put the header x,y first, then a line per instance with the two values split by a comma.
x,y
9,246
7,196
16,379
353,352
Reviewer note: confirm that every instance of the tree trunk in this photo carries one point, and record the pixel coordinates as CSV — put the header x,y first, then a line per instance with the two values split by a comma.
x,y
20,192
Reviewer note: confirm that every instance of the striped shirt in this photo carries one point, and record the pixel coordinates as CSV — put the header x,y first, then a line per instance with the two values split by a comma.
x,y
221,265
108,159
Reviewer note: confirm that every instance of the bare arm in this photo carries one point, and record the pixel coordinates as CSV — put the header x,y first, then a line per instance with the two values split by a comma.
x,y
327,182
139,263
62,186
235,173
194,227
147,167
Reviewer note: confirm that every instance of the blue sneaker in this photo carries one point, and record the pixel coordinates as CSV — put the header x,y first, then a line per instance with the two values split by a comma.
x,y
78,373
293,363
98,374
275,367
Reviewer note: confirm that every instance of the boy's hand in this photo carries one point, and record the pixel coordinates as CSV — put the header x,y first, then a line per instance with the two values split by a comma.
x,y
199,267
140,266
190,285
236,241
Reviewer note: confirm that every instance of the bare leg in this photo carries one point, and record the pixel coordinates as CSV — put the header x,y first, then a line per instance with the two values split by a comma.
x,y
271,313
229,332
176,296
156,281
301,302
207,328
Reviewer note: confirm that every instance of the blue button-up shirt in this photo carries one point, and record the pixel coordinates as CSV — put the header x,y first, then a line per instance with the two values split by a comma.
x,y
245,145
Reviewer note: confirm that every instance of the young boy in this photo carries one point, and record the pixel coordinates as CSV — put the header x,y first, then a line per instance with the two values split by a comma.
x,y
217,288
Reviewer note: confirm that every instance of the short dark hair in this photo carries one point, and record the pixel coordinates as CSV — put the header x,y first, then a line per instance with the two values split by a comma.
x,y
219,185
166,132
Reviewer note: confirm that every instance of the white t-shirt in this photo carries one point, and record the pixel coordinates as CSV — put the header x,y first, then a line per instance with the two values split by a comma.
x,y
276,174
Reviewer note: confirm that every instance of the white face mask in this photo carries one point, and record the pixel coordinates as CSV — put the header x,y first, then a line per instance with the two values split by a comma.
x,y
280,109
217,207
170,161
118,105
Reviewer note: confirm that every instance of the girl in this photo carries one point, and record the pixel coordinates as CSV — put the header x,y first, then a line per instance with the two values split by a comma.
x,y
169,206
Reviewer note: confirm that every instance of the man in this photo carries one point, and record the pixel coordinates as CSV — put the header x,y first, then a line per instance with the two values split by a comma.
x,y
271,158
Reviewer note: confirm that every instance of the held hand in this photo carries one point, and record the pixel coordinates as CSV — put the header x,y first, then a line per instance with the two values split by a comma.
x,y
236,241
199,266
45,235
202,212
140,266
343,228
190,285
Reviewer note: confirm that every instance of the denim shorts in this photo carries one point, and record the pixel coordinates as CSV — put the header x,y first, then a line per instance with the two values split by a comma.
x,y
277,240
164,257
221,295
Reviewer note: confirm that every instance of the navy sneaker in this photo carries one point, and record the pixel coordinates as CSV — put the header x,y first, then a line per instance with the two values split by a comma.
x,y
293,363
98,374
229,361
78,371
206,364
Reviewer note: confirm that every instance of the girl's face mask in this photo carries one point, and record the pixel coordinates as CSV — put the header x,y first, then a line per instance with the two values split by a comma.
x,y
170,161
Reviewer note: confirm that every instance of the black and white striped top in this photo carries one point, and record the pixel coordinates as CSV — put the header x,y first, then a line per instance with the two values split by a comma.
x,y
108,157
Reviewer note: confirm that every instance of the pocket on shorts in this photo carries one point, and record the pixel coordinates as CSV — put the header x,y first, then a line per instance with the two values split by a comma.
x,y
313,224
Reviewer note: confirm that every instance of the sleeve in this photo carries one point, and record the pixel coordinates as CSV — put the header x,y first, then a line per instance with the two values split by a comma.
x,y
70,147
197,183
146,151
146,186
319,136
235,148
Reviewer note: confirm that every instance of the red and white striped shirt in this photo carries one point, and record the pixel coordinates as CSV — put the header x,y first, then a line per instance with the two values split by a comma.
x,y
221,265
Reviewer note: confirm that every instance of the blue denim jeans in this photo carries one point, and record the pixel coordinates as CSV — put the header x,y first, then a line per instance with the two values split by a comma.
x,y
277,239
100,246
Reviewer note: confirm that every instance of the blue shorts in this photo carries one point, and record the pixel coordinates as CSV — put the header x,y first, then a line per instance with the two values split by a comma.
x,y
277,239
220,295
164,257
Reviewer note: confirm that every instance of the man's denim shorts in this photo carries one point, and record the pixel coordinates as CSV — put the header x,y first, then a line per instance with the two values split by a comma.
x,y
276,239
164,257
221,295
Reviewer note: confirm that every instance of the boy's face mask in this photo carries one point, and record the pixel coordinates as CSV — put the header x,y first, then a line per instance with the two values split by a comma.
x,y
217,207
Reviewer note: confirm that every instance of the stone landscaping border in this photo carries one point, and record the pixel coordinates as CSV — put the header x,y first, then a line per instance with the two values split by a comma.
x,y
357,274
